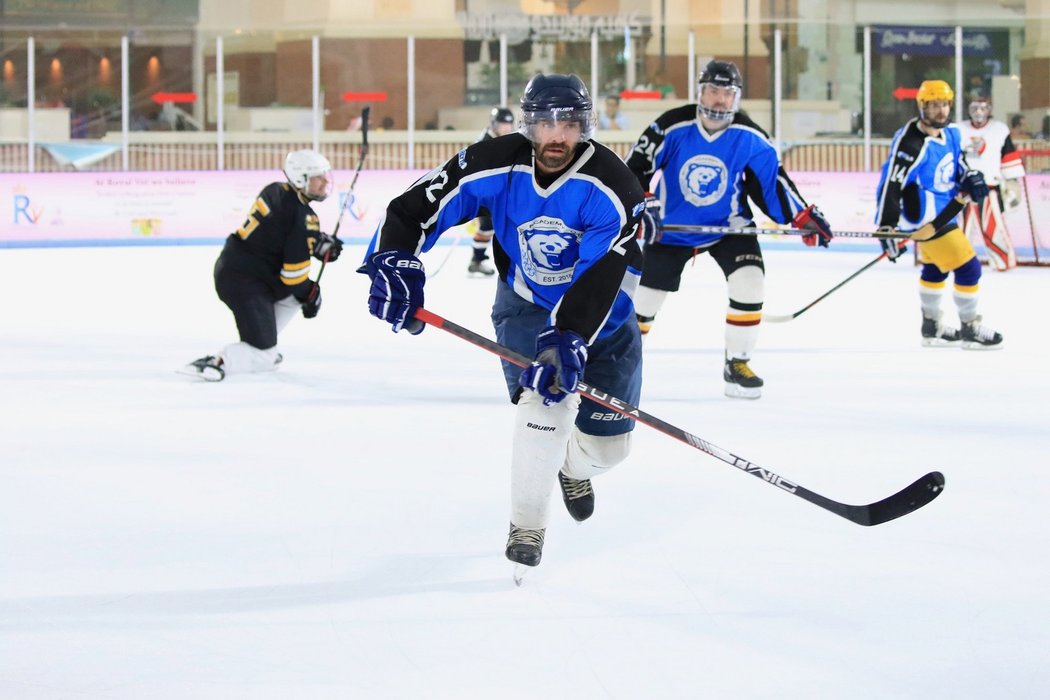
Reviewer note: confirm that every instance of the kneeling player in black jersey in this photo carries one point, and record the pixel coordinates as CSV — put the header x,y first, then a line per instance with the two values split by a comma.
x,y
262,272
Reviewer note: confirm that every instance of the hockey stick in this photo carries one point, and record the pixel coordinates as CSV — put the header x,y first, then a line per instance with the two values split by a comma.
x,y
753,230
781,319
1031,221
950,211
908,499
349,193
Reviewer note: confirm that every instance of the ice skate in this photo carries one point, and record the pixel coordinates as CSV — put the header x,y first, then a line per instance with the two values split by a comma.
x,y
208,368
937,335
480,267
741,382
524,548
978,337
578,496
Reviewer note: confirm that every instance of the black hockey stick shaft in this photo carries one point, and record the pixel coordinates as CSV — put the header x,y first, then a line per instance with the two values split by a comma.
x,y
782,319
908,499
350,192
754,230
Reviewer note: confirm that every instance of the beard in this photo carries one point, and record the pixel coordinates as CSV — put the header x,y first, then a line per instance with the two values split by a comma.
x,y
554,156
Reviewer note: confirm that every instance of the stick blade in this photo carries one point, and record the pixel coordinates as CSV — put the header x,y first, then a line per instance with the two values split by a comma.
x,y
905,501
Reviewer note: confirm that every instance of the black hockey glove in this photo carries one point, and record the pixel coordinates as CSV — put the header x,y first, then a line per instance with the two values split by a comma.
x,y
328,248
973,186
313,300
893,247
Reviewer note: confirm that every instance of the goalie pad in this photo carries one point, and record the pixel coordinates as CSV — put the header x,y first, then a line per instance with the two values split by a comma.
x,y
984,223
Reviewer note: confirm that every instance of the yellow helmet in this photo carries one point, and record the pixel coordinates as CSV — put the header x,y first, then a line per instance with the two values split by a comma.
x,y
934,90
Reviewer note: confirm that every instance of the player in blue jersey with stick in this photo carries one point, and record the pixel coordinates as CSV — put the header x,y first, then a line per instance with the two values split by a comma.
x,y
564,211
713,158
925,183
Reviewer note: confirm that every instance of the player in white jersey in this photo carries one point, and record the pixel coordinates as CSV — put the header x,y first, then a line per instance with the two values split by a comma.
x,y
565,213
989,149
714,159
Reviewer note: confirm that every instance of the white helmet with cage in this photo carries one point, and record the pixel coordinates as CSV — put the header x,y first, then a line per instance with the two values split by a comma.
x,y
300,167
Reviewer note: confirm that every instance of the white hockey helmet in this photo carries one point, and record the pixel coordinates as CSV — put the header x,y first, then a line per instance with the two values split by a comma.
x,y
302,165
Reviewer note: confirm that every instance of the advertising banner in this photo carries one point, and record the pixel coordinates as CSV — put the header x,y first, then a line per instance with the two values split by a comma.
x,y
173,208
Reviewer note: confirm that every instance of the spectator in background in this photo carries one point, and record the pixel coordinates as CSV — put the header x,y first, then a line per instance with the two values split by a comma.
x,y
612,117
1019,128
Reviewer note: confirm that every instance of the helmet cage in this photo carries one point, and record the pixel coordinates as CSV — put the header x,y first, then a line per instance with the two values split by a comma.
x,y
980,111
531,121
720,115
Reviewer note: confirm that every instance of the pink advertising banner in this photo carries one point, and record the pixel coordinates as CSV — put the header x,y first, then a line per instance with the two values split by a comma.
x,y
169,208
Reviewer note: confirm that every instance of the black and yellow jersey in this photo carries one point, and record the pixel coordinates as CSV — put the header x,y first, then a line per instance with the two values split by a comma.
x,y
275,242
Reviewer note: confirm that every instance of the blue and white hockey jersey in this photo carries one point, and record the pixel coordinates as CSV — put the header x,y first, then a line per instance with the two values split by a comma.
x,y
920,176
707,179
567,245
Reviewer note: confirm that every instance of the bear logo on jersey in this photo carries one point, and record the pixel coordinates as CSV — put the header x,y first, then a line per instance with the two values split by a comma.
x,y
549,250
703,180
944,174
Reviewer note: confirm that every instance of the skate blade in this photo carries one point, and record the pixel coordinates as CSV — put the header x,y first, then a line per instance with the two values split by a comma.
x,y
979,346
191,371
735,391
940,343
519,573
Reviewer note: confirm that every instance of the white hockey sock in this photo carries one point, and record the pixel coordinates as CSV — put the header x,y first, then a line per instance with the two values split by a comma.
x,y
541,434
241,358
591,455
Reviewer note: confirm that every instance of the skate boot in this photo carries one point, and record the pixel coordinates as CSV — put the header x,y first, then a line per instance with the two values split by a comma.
x,y
578,496
977,337
208,368
478,266
525,545
741,382
937,335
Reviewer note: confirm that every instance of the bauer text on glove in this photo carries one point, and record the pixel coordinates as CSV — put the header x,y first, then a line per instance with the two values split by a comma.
x,y
397,289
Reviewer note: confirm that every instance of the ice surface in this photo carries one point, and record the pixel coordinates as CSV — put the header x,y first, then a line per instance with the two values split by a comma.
x,y
336,529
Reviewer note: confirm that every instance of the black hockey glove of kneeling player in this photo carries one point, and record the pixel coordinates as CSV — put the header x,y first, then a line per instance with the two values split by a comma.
x,y
328,248
313,300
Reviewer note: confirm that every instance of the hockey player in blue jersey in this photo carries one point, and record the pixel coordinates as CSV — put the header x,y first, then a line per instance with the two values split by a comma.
x,y
713,159
564,210
925,183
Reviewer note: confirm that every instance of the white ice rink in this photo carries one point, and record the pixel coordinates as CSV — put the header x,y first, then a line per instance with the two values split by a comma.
x,y
336,529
